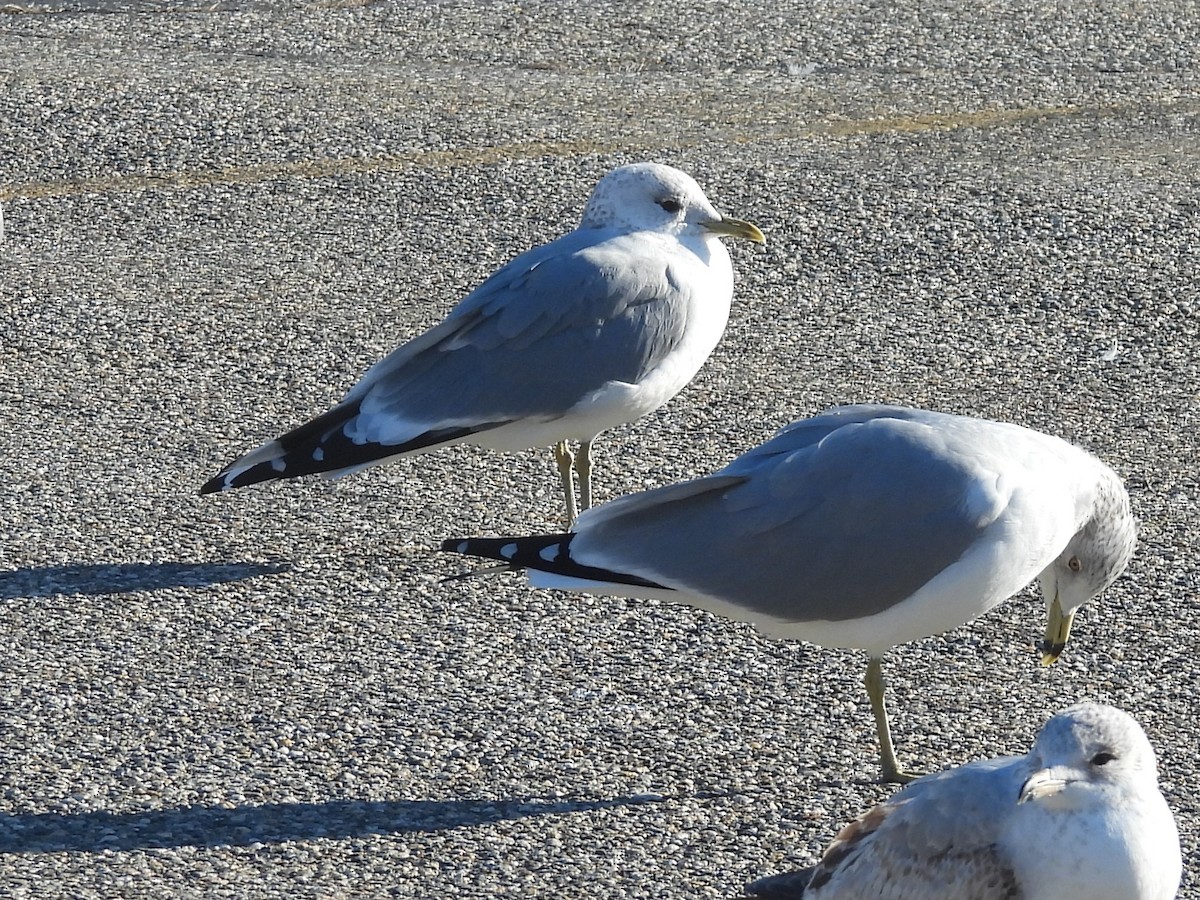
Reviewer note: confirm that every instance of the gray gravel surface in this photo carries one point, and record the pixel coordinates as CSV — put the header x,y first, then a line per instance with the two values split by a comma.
x,y
216,215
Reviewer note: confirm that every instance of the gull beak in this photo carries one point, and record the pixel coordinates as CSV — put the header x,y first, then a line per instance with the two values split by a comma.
x,y
1043,784
1058,631
735,228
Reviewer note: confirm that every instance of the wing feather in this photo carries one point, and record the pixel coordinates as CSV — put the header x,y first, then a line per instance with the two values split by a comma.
x,y
541,334
841,518
934,840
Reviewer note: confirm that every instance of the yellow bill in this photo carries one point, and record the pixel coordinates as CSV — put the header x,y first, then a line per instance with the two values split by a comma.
x,y
1058,632
738,228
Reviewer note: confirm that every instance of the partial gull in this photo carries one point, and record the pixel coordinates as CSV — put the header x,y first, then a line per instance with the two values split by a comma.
x,y
594,329
1080,817
864,527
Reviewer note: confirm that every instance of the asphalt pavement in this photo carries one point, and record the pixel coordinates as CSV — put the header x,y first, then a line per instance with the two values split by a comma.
x,y
217,215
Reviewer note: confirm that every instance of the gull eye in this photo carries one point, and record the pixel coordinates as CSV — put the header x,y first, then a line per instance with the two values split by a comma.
x,y
670,204
1102,758
1074,564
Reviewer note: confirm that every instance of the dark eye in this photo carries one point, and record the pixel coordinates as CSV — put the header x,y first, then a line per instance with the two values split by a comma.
x,y
1102,757
670,204
1074,564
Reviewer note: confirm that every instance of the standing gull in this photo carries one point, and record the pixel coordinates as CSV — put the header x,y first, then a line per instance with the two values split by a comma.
x,y
864,527
1080,817
594,329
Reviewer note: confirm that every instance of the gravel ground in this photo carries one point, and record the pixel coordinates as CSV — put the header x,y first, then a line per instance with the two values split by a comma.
x,y
216,215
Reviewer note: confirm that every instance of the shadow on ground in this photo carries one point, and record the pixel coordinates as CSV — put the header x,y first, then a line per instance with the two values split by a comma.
x,y
207,826
46,581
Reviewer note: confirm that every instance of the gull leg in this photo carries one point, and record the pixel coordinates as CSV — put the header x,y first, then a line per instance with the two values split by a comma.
x,y
583,464
887,753
563,458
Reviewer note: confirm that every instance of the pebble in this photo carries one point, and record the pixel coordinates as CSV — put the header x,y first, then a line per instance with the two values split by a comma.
x,y
216,215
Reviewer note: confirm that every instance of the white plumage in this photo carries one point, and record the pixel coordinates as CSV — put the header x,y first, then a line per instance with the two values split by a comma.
x,y
866,527
592,330
1080,817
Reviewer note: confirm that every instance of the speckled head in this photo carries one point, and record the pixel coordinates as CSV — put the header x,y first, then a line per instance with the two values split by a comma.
x,y
1092,560
1100,742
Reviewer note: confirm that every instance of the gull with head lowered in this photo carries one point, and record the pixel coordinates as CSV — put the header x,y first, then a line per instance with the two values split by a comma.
x,y
592,330
863,527
1080,817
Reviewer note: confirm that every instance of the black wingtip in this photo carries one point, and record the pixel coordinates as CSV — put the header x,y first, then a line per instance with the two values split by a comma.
x,y
212,486
321,446
519,552
544,552
222,482
788,886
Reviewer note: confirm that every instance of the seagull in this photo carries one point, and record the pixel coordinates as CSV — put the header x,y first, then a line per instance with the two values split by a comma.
x,y
594,329
863,527
1080,817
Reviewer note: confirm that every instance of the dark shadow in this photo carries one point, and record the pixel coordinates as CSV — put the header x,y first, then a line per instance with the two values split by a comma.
x,y
209,826
46,581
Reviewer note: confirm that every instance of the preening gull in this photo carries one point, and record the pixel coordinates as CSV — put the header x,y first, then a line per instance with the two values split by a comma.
x,y
1080,817
594,329
864,527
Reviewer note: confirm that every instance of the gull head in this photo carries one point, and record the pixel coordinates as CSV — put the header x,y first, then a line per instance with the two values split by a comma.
x,y
1088,755
654,197
1092,560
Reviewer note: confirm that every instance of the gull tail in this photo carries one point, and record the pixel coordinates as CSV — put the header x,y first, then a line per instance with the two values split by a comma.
x,y
322,446
544,553
788,886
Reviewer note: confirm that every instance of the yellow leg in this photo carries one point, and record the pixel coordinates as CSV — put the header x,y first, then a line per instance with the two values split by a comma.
x,y
891,771
564,459
583,465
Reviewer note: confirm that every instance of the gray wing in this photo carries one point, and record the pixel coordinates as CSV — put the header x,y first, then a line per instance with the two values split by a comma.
x,y
933,840
806,432
837,517
541,333
533,340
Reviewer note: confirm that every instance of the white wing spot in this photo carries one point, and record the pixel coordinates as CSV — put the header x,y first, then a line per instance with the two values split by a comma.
x,y
551,553
278,465
508,551
319,454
